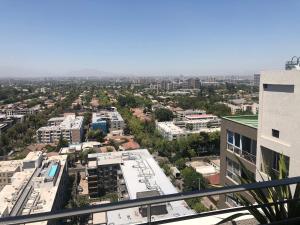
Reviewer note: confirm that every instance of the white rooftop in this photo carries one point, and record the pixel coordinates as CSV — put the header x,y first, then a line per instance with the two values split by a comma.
x,y
170,127
142,173
9,166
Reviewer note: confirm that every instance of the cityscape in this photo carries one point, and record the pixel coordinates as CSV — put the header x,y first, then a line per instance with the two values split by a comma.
x,y
186,144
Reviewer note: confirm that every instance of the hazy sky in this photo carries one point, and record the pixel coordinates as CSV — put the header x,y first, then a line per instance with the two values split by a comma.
x,y
148,37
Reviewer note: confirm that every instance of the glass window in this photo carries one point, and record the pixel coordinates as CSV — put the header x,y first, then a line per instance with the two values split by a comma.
x,y
275,133
253,147
276,159
230,137
237,139
246,144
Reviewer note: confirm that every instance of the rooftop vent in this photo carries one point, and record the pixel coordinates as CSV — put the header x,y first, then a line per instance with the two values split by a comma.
x,y
294,63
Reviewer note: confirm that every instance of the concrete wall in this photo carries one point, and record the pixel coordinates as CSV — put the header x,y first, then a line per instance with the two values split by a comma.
x,y
279,109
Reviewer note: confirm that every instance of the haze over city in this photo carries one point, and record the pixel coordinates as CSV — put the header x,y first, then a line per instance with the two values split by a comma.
x,y
146,38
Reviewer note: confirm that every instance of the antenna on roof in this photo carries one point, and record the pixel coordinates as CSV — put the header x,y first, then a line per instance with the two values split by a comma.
x,y
294,63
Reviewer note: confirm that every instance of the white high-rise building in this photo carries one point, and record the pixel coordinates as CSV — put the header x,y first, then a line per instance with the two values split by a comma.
x,y
279,121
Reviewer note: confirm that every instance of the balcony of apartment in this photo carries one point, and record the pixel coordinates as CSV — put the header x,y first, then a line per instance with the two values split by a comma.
x,y
269,165
242,146
207,218
243,154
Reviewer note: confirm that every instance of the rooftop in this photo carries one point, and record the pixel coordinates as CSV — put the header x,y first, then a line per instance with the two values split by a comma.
x,y
10,166
200,116
141,174
247,120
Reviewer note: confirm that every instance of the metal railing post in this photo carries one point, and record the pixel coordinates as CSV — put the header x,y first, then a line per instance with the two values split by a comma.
x,y
149,214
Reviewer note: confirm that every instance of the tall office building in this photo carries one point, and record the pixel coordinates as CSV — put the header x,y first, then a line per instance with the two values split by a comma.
x,y
256,80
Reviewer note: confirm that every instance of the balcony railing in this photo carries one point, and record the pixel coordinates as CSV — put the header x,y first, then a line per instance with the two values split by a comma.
x,y
148,202
244,154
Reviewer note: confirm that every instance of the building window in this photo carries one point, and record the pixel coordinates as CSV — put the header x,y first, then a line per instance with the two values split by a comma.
x,y
286,88
230,137
275,133
271,161
276,158
246,144
237,139
233,170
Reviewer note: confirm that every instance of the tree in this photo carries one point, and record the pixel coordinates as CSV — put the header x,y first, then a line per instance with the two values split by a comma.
x,y
163,114
219,109
83,155
180,163
97,135
191,179
87,118
61,143
195,203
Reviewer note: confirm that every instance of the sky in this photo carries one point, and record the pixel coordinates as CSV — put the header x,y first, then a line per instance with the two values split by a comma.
x,y
139,37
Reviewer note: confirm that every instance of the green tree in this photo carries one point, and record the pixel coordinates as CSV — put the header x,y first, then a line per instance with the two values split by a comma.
x,y
61,143
195,203
87,118
191,179
83,155
163,114
97,135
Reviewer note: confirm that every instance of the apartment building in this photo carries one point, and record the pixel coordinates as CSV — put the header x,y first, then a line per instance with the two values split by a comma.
x,y
170,131
274,131
7,170
69,127
14,109
238,145
180,114
137,175
103,171
190,124
279,121
199,121
107,120
36,189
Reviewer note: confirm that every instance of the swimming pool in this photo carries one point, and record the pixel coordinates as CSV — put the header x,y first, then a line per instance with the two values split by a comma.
x,y
52,170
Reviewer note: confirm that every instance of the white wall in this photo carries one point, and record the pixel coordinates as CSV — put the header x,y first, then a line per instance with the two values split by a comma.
x,y
281,111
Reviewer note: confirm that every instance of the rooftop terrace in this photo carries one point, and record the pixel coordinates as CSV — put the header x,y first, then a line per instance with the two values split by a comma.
x,y
247,120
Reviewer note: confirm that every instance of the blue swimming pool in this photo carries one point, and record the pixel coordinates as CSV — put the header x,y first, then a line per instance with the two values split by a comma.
x,y
52,170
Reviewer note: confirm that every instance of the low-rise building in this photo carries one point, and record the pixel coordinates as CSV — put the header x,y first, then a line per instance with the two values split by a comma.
x,y
133,174
180,114
107,120
7,170
238,145
36,190
191,124
69,127
170,131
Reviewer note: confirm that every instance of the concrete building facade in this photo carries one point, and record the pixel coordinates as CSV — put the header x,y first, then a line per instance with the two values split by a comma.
x,y
69,127
279,121
238,145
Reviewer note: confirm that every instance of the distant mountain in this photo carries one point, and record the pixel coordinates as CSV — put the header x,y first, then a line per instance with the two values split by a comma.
x,y
90,72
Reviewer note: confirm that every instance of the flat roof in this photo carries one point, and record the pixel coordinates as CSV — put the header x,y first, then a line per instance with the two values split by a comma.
x,y
200,116
142,174
247,120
